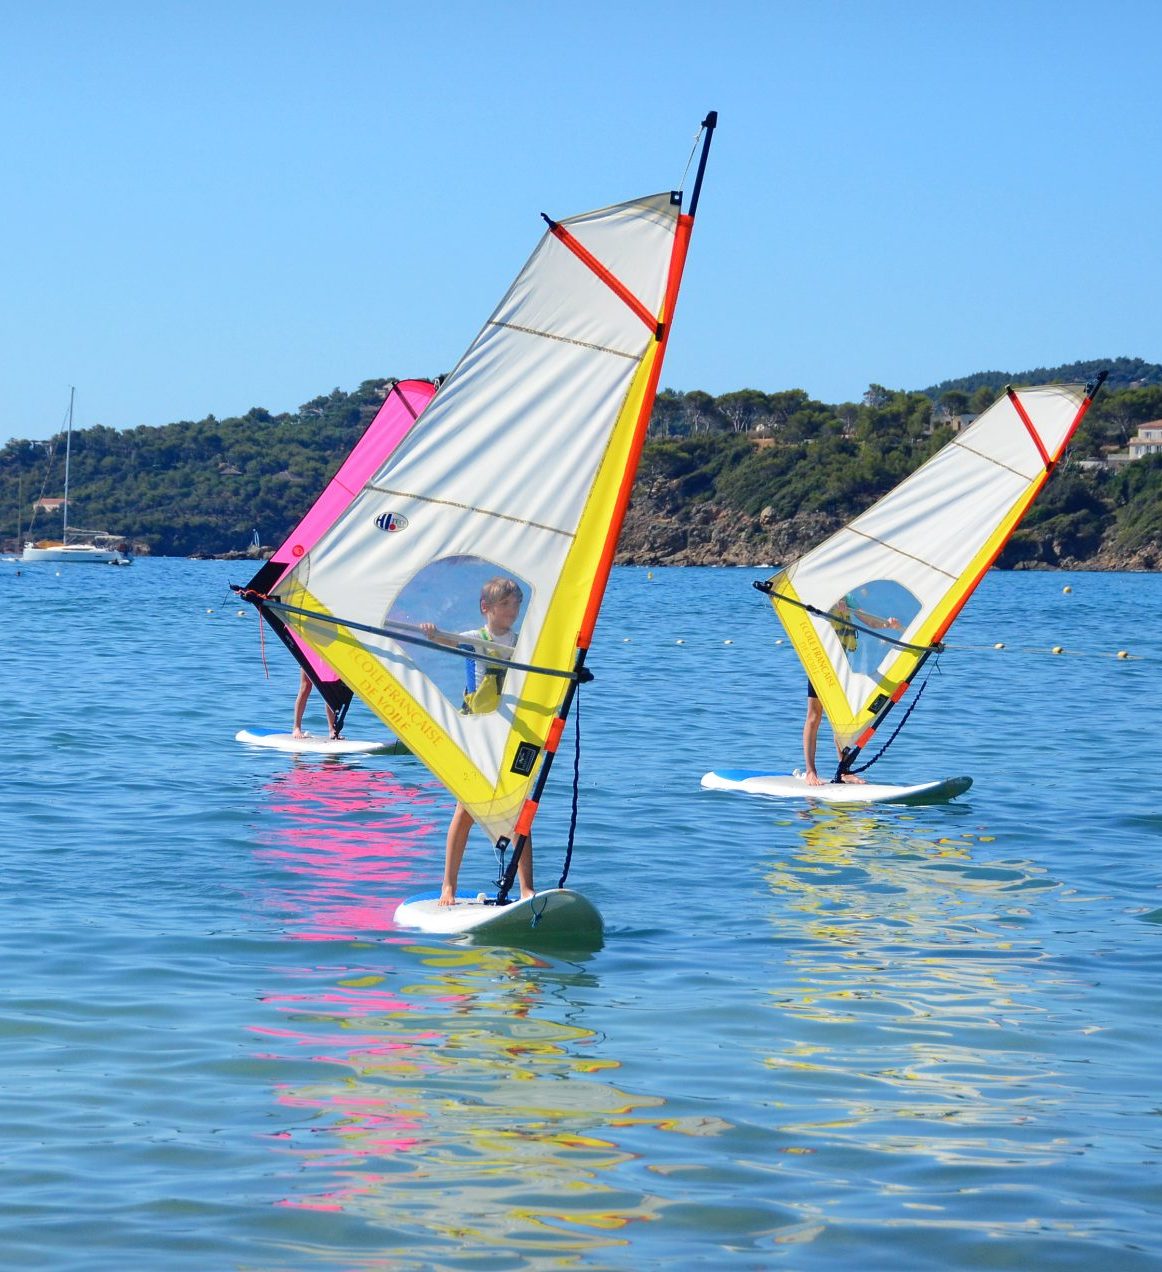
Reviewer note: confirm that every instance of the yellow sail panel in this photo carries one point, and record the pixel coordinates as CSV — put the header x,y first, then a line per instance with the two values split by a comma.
x,y
821,644
559,637
361,667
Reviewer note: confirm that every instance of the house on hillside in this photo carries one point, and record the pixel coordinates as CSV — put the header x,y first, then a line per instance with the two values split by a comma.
x,y
48,505
1147,440
943,418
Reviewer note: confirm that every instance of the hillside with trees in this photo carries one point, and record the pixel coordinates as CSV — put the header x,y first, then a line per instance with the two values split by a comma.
x,y
746,477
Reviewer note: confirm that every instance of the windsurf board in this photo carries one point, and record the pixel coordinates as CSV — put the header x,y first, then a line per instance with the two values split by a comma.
x,y
311,745
791,786
556,914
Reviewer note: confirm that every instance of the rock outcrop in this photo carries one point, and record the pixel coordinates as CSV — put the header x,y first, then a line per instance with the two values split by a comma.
x,y
662,528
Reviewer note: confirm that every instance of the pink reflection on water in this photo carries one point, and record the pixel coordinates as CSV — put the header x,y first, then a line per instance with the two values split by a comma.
x,y
361,838
345,844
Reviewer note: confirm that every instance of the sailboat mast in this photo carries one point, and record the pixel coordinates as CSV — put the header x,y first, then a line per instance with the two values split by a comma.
x,y
68,455
523,827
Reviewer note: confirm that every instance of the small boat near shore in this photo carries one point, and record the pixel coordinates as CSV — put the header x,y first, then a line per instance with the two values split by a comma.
x,y
59,552
94,547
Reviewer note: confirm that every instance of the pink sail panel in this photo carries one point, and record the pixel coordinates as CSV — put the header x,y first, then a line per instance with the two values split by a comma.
x,y
401,408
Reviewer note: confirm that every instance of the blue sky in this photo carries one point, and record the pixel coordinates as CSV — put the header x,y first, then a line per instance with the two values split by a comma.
x,y
209,205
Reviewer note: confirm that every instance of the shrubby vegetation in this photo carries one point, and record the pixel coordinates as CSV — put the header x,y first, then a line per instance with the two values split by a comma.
x,y
783,453
206,486
189,487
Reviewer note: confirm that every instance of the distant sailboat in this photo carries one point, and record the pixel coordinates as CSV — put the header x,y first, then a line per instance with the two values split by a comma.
x,y
96,549
868,607
522,468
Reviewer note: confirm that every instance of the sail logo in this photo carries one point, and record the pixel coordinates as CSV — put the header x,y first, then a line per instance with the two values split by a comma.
x,y
391,522
525,759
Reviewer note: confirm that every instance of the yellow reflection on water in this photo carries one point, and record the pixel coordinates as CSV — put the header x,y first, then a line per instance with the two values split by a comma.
x,y
455,1093
911,991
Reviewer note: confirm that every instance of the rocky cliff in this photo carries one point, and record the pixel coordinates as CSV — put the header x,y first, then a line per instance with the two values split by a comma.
x,y
662,528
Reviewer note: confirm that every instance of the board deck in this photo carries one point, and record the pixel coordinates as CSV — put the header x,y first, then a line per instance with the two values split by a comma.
x,y
310,744
789,786
557,913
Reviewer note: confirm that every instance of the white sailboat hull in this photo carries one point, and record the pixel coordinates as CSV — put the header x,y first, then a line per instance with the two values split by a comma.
x,y
74,554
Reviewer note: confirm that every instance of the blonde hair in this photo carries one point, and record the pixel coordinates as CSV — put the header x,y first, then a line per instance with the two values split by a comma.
x,y
499,589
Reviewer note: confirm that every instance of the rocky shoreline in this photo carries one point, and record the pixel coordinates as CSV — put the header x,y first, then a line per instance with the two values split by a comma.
x,y
662,529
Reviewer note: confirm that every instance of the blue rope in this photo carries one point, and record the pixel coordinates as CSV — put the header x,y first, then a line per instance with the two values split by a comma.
x,y
903,721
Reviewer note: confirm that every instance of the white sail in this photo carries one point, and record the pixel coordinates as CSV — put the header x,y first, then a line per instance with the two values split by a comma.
x,y
867,606
519,469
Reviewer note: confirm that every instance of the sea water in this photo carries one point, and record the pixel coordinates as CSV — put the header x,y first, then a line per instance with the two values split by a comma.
x,y
815,1037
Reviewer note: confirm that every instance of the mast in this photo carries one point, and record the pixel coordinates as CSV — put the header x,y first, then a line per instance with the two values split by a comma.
x,y
68,454
581,674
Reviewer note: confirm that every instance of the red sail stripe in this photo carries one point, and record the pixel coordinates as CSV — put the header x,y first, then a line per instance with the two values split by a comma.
x,y
615,285
1028,423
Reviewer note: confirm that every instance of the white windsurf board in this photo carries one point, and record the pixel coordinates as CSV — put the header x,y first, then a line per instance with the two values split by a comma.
x,y
309,744
790,786
556,913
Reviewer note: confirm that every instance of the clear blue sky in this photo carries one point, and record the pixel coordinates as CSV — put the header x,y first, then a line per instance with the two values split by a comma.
x,y
209,205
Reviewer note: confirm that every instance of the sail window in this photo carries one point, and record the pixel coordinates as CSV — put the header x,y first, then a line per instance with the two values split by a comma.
x,y
881,605
470,648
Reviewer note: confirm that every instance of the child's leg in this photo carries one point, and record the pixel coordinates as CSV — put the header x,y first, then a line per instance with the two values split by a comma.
x,y
454,846
524,869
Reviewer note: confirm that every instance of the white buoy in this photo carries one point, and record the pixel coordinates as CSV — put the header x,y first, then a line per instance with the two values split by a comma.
x,y
1123,653
679,642
209,611
1067,589
779,641
728,642
999,645
1057,649
241,613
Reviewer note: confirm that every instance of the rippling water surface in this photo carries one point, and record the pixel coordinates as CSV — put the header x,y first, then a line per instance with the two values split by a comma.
x,y
814,1038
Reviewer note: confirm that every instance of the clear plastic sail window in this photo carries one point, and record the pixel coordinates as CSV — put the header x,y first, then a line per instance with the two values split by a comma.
x,y
470,605
881,605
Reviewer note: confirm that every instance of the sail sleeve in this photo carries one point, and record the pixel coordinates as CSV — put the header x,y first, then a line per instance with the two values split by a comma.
x,y
514,473
866,606
401,407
